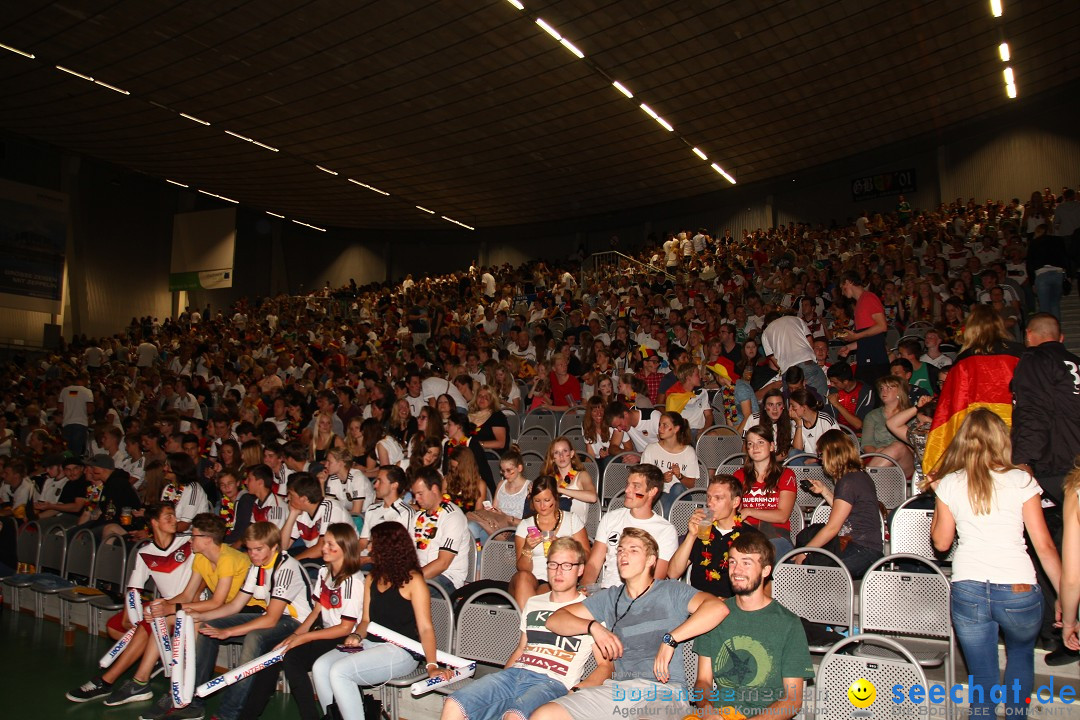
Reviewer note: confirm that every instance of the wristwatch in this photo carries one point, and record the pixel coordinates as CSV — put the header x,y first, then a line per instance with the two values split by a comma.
x,y
668,640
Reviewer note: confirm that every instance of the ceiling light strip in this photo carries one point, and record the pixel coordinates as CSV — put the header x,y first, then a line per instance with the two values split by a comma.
x,y
308,225
25,54
111,87
548,29
220,197
467,227
429,212
173,182
517,4
77,74
274,214
369,187
194,119
622,88
721,170
996,8
700,154
328,171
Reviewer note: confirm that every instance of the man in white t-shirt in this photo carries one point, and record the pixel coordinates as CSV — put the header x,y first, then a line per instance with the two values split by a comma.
x,y
77,403
441,533
640,425
390,484
310,514
787,341
545,666
642,489
145,354
487,281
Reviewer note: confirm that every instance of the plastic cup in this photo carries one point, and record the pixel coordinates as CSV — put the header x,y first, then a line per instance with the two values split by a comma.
x,y
704,527
547,536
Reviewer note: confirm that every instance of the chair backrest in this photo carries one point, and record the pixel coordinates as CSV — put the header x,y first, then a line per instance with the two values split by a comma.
x,y
53,554
796,522
910,532
592,519
683,507
730,464
889,480
133,555
591,467
618,502
531,463
514,423
616,473
820,594
311,567
534,439
470,573
110,565
839,669
442,617
487,633
716,443
575,416
824,510
803,474
80,558
498,558
576,436
690,663
496,470
899,601
851,434
28,545
543,419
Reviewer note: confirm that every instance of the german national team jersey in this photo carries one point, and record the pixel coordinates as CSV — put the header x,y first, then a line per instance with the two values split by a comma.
x,y
283,578
48,489
379,512
310,528
192,501
356,486
274,510
338,602
169,567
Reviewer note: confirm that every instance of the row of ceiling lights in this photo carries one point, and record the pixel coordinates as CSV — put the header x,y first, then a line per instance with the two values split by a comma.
x,y
236,135
550,30
997,10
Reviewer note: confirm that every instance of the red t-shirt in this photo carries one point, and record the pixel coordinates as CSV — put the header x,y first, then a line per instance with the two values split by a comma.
x,y
756,499
866,307
559,392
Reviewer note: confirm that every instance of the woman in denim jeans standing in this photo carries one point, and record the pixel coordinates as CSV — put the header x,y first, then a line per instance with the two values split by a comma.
x,y
989,503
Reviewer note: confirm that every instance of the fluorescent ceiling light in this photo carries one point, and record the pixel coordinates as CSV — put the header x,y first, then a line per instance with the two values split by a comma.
x,y
1010,90
326,170
275,214
700,154
17,51
995,8
264,145
570,46
665,124
548,29
1003,51
516,4
195,119
467,227
369,187
429,212
622,88
111,87
238,135
649,111
720,170
1009,79
69,71
313,227
178,184
220,197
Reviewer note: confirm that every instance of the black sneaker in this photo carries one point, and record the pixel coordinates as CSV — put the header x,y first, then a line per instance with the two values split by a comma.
x,y
191,712
90,690
131,691
161,708
1061,656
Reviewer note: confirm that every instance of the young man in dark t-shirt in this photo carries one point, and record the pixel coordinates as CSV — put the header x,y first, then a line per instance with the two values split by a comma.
x,y
707,558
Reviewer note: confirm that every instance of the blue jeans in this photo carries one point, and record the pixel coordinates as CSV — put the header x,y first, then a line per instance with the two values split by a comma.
x,y
478,532
979,611
513,690
255,643
75,438
1048,290
337,675
445,583
815,378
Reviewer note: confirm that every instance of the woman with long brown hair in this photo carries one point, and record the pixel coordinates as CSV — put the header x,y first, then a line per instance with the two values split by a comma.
x,y
769,488
397,597
339,596
576,487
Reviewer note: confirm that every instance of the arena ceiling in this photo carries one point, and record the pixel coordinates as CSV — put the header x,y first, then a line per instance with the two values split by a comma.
x,y
470,109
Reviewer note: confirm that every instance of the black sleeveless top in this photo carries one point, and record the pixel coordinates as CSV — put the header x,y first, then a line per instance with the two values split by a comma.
x,y
392,610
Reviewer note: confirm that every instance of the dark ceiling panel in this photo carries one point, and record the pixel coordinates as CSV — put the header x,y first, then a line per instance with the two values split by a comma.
x,y
470,109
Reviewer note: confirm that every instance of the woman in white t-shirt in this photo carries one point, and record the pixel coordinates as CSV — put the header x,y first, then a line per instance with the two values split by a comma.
x,y
530,545
675,456
989,503
810,422
596,432
577,487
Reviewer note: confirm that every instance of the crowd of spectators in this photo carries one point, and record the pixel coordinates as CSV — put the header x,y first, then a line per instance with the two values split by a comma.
x,y
358,405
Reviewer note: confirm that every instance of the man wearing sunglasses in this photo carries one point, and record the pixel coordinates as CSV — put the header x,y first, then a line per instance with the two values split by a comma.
x,y
545,666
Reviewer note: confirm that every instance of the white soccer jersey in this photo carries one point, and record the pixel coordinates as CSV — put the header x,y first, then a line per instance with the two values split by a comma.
x,y
274,510
356,486
445,529
310,528
338,602
283,579
169,567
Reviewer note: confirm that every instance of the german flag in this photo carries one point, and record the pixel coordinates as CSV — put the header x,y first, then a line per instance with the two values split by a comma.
x,y
974,381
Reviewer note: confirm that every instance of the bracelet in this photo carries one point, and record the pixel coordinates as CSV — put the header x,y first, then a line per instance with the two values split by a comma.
x,y
431,665
588,628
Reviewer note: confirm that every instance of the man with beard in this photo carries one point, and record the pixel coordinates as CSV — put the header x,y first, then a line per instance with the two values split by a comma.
x,y
758,656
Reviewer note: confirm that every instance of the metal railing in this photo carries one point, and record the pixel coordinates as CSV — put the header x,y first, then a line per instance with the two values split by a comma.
x,y
599,262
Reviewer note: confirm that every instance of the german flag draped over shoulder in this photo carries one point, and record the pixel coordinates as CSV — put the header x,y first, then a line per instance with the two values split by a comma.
x,y
974,381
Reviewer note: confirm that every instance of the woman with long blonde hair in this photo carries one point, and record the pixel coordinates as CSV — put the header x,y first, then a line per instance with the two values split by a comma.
x,y
989,503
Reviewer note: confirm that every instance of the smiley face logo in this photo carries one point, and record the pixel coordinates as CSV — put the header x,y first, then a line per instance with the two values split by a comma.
x,y
862,693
